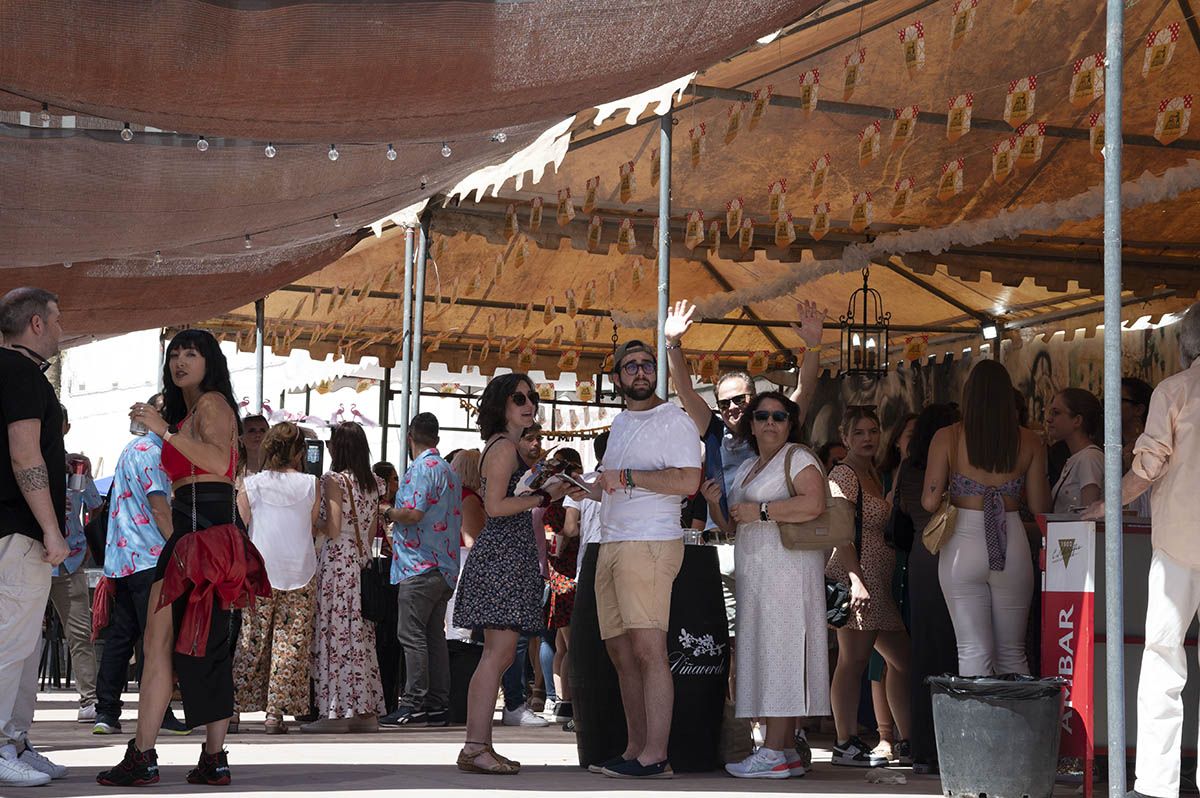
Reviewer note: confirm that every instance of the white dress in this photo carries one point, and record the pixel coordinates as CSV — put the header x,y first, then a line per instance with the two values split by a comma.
x,y
782,637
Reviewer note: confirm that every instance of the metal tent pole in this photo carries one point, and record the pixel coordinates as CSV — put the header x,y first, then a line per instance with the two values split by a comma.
x,y
406,348
421,257
1114,590
664,243
259,325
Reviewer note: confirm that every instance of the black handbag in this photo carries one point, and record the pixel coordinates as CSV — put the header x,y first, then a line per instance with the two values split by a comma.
x,y
900,531
837,594
371,593
96,529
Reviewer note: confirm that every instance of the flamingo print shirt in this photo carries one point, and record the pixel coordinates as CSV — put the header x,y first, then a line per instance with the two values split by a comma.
x,y
430,486
134,539
77,502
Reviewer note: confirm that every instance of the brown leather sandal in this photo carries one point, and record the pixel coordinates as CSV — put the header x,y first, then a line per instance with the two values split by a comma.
x,y
275,725
466,762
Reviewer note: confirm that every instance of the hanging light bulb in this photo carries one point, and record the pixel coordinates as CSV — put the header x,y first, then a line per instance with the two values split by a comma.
x,y
269,150
158,257
333,153
424,181
445,150
126,133
500,137
336,221
201,144
247,242
391,153
45,114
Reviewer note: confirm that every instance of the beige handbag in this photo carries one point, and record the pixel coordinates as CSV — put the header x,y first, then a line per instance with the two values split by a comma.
x,y
942,523
830,529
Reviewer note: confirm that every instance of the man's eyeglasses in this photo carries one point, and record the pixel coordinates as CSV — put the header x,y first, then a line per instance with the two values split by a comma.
x,y
647,367
519,399
739,400
778,416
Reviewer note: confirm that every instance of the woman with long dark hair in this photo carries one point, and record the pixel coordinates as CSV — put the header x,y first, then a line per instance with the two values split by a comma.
x,y
1075,417
349,690
200,428
500,588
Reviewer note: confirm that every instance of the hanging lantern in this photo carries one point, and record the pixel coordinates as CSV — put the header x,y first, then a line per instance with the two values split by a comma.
x,y
864,346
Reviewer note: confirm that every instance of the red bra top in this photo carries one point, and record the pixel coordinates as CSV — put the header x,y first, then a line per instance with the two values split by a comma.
x,y
178,466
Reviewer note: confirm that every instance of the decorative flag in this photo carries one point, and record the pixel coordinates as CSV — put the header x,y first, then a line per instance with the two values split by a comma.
x,y
759,102
625,237
595,227
589,295
655,167
1030,138
545,391
572,305
476,281
915,347
963,20
903,190
448,387
1160,49
636,274
853,63
819,225
1174,116
1096,135
1087,79
733,121
597,323
695,229
569,360
696,136
905,125
485,350
746,235
580,331
958,116
709,366
521,253
607,366
535,214
528,315
868,143
820,171
810,86
733,216
510,222
548,310
628,181
785,230
589,195
612,284
525,358
777,199
585,390
470,353
566,208
498,270
912,38
861,211
1002,158
557,339
1020,101
757,362
713,241
951,183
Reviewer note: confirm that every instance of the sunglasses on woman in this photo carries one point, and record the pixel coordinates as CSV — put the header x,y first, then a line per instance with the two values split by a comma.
x,y
739,400
519,399
778,416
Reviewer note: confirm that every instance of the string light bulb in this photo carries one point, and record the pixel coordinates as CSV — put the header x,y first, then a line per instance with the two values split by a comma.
x,y
446,150
158,259
333,153
201,144
336,221
269,150
45,114
246,244
126,133
391,153
500,137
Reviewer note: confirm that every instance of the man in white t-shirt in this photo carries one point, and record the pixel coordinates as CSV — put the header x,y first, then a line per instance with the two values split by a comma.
x,y
652,459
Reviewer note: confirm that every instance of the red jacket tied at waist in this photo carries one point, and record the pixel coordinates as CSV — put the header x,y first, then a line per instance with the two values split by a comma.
x,y
219,562
102,606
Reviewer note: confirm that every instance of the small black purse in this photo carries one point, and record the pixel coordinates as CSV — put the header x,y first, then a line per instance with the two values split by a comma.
x,y
900,531
837,594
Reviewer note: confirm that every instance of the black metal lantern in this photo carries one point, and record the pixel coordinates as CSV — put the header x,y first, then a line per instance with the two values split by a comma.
x,y
864,348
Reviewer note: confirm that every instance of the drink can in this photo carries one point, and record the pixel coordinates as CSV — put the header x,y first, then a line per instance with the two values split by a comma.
x,y
137,428
78,478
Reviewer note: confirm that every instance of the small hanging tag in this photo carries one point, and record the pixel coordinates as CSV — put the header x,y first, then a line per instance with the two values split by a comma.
x,y
589,195
628,181
585,390
535,214
470,353
709,366
612,285
655,168
1174,116
545,391
1160,49
818,226
915,347
905,125
733,121
903,190
636,274
580,330
861,212
820,170
696,137
447,388
510,222
566,209
498,269
777,199
528,315
595,228
912,39
525,358
589,295
572,306
491,326
1020,100
485,350
733,216
1087,79
549,310
1030,138
1096,135
557,338
853,78
746,235
952,179
626,240
1002,159
810,87
568,360
521,253
868,143
958,116
597,325
713,241
758,105
962,21
785,230
757,362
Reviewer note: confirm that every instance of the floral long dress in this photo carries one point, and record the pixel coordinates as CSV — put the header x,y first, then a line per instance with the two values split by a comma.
x,y
344,664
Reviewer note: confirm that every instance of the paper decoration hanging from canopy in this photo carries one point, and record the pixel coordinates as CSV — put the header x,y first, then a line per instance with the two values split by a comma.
x,y
903,191
733,216
589,195
449,387
1030,138
785,230
454,292
510,222
566,208
477,281
810,87
628,181
758,104
1160,49
818,226
904,126
853,77
545,391
585,390
756,363
595,228
1096,135
1174,116
777,199
1020,100
951,183
655,240
962,21
521,253
655,167
733,121
556,338
548,310
580,330
572,305
597,324
491,326
612,284
746,234
708,367
589,295
713,240
912,39
635,276
861,211
535,214
1003,155
696,136
868,143
528,315
958,116
1087,79
498,269
915,347
694,233
820,171
626,240
485,351
569,360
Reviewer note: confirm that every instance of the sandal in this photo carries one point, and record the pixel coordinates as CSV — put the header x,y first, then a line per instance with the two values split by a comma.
x,y
503,767
275,725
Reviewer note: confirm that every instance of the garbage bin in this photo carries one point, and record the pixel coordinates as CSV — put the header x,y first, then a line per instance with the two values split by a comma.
x,y
997,737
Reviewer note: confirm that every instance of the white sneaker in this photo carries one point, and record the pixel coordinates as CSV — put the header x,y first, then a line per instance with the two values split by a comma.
x,y
15,773
87,714
40,763
523,716
762,764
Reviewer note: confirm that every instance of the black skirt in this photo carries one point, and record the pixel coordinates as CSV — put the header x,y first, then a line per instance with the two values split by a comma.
x,y
205,683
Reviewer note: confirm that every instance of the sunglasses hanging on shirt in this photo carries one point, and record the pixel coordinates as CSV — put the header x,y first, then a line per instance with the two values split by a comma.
x,y
42,362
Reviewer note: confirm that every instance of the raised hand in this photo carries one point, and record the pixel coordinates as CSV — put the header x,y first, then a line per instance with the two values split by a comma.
x,y
809,323
679,319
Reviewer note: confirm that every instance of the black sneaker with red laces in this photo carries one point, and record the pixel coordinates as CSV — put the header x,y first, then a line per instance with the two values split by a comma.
x,y
137,769
213,769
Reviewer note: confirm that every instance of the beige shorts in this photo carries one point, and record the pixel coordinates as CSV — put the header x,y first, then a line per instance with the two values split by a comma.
x,y
633,584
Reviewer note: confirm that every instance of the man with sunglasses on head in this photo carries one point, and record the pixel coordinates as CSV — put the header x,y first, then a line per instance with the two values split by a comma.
x,y
652,460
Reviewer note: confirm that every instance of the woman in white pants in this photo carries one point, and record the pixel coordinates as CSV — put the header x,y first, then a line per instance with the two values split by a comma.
x,y
985,569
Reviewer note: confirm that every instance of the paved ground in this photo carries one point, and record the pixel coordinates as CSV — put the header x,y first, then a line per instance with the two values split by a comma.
x,y
400,762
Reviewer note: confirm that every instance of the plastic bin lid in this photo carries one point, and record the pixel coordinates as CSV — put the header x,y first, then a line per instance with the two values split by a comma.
x,y
1012,686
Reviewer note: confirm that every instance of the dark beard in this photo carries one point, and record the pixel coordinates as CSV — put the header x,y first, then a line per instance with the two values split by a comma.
x,y
637,394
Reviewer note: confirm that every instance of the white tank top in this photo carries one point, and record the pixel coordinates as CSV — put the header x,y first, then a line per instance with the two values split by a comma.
x,y
281,525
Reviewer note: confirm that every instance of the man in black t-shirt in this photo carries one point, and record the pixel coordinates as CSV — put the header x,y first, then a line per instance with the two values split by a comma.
x,y
33,498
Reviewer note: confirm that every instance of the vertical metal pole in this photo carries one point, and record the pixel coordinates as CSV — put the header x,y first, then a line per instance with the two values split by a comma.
x,y
259,324
664,243
422,255
385,403
406,349
1114,598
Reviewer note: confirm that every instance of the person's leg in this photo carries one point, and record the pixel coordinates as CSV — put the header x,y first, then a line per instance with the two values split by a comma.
x,y
896,648
24,588
884,721
438,697
629,677
416,597
658,691
291,670
537,684
1012,593
253,655
546,666
69,594
562,681
854,650
963,574
780,733
499,646
125,622
1173,597
154,694
514,677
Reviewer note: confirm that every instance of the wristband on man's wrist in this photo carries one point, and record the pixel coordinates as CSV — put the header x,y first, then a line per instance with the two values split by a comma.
x,y
629,479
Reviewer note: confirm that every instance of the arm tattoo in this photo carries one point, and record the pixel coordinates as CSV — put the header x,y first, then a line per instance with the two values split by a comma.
x,y
33,479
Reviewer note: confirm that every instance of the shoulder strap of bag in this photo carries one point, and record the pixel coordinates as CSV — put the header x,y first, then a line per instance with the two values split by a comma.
x,y
348,490
787,472
858,516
